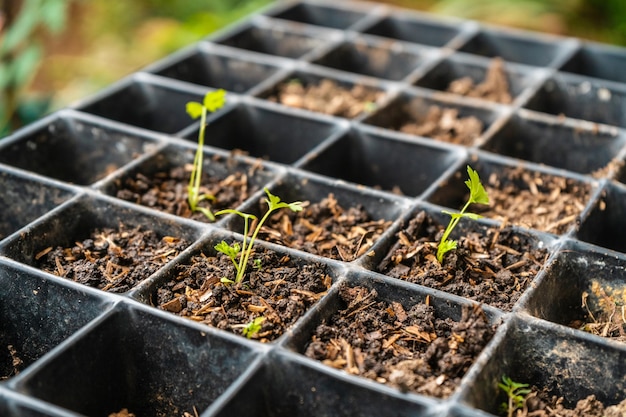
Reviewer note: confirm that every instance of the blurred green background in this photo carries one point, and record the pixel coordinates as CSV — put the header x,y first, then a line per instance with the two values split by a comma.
x,y
53,52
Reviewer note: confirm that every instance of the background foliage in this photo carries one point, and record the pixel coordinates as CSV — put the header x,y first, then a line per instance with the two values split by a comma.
x,y
53,52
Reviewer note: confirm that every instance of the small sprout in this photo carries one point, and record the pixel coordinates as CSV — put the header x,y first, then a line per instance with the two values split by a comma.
x,y
516,393
252,328
213,101
256,264
243,252
477,195
369,106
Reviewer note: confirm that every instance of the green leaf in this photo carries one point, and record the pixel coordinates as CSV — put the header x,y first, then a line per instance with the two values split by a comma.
x,y
194,109
25,65
229,250
22,28
214,100
253,327
53,14
477,191
445,247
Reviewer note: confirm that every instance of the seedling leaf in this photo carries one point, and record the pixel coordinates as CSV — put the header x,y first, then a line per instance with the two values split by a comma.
x,y
478,194
253,327
194,109
215,100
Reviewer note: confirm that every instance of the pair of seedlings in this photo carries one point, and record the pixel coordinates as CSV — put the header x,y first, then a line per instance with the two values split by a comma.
x,y
240,253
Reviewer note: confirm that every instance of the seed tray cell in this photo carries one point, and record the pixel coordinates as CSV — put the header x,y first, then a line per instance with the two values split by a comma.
x,y
263,132
345,108
414,30
216,69
585,148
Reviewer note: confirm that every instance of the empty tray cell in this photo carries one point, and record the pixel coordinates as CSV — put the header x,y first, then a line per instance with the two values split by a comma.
x,y
581,98
142,363
416,342
288,387
16,405
598,61
520,196
578,147
161,182
492,265
273,41
326,95
320,15
421,116
606,219
584,289
513,48
73,150
212,69
266,133
371,159
146,105
493,80
426,32
374,61
556,364
100,245
36,314
336,222
273,292
23,200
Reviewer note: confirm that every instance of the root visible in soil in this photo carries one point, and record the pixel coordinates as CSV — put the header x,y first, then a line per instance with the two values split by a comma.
x,y
326,229
277,289
444,124
492,268
605,309
113,260
328,97
412,350
495,87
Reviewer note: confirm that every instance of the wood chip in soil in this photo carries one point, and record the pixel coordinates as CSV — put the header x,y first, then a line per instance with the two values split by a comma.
x,y
411,349
534,200
444,124
113,260
12,364
604,312
281,290
326,229
494,267
539,403
328,97
167,191
495,86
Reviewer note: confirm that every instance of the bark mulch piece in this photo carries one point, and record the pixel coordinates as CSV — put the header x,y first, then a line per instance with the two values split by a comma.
x,y
326,229
328,97
167,191
604,312
539,403
534,200
413,349
11,364
495,87
444,124
113,260
275,287
493,267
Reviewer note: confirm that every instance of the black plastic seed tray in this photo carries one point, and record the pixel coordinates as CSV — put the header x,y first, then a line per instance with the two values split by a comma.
x,y
368,114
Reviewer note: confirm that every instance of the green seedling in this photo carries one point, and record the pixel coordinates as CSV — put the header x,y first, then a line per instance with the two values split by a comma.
x,y
253,327
477,195
244,250
213,100
516,393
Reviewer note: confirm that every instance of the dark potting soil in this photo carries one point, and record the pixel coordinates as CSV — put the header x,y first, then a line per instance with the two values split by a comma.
x,y
444,124
274,287
167,191
539,403
113,260
413,350
327,97
495,86
326,229
492,268
534,200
